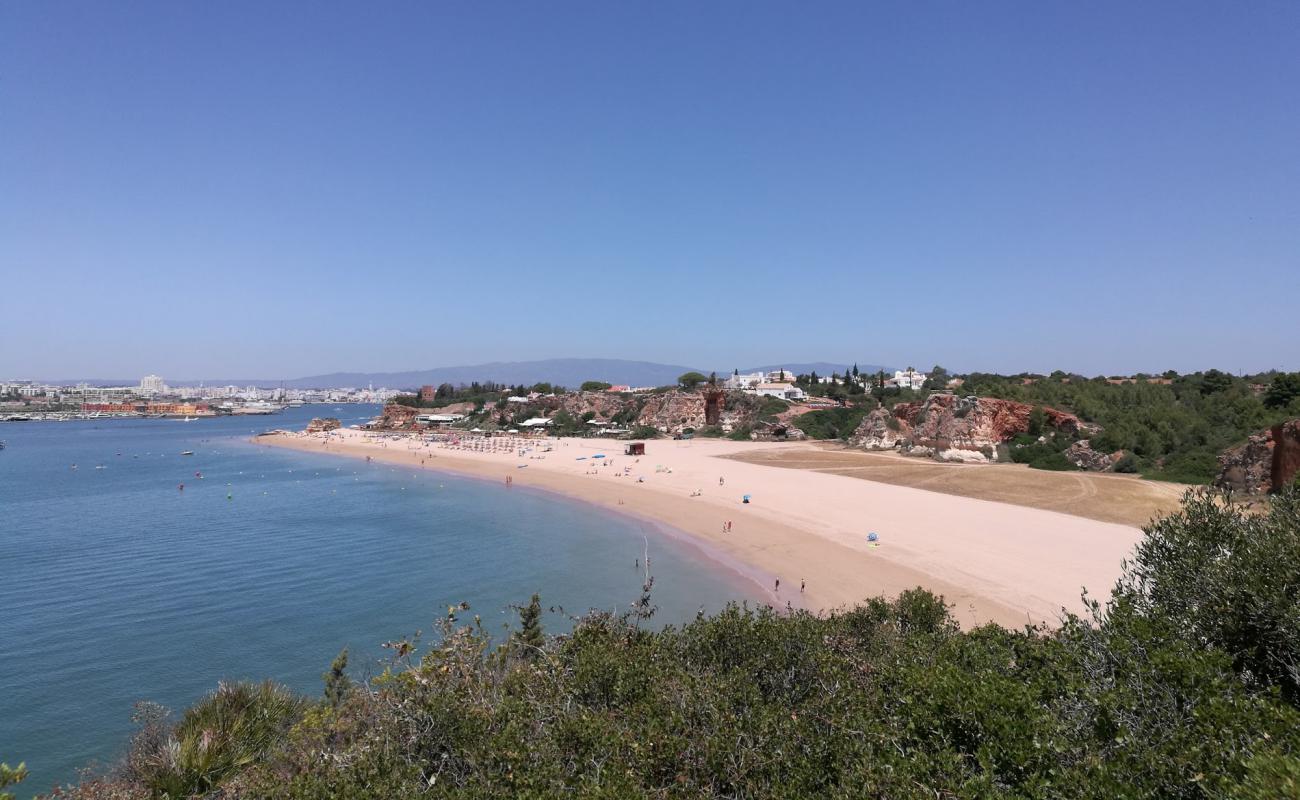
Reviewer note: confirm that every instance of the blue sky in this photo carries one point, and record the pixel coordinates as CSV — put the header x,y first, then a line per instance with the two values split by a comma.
x,y
256,189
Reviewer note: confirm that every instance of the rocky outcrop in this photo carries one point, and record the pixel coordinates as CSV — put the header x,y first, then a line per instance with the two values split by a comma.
x,y
1084,457
673,412
879,430
604,405
778,431
323,424
396,417
677,410
944,423
1267,462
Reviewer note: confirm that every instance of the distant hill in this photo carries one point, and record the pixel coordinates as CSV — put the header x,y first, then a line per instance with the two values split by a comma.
x,y
570,372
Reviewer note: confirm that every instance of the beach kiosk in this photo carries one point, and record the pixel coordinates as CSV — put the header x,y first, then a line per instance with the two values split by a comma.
x,y
634,449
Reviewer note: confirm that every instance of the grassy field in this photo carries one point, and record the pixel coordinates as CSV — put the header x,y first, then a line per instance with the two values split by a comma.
x,y
1127,500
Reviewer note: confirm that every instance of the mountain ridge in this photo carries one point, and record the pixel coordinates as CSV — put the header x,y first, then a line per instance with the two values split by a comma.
x,y
569,372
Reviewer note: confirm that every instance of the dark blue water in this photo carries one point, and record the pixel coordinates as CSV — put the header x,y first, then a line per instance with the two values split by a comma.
x,y
116,587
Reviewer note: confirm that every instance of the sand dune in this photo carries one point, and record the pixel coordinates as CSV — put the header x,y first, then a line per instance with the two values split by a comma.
x,y
992,560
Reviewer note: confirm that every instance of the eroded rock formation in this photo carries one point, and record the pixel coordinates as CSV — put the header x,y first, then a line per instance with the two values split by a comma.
x,y
396,417
322,424
1267,462
945,423
1084,457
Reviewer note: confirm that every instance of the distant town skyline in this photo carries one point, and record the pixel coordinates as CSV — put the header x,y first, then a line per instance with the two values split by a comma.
x,y
283,191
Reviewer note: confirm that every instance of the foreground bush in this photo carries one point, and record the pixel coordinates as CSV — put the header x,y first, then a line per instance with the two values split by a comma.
x,y
1182,686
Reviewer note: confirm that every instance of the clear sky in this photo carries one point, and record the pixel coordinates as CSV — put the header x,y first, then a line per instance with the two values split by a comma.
x,y
277,190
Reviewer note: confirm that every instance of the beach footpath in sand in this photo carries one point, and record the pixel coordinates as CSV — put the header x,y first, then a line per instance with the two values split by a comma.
x,y
992,561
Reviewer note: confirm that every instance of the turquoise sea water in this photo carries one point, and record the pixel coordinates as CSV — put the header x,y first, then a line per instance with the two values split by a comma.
x,y
117,587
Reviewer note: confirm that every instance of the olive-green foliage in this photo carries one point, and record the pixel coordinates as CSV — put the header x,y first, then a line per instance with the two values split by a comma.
x,y
1174,431
594,386
1047,454
337,682
741,433
769,407
1126,464
831,423
529,640
1283,390
10,776
1245,597
1052,461
230,730
1181,686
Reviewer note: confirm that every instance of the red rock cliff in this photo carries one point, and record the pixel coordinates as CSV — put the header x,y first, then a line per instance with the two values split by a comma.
x,y
1268,461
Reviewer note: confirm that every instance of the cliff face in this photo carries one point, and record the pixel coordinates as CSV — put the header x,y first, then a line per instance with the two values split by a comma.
x,y
396,418
673,412
879,430
603,404
1268,461
945,423
322,424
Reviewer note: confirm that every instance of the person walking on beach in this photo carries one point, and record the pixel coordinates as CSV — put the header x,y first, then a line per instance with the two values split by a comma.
x,y
803,583
778,584
720,480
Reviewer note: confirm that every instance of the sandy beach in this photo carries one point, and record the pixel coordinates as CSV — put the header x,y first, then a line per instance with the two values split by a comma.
x,y
992,561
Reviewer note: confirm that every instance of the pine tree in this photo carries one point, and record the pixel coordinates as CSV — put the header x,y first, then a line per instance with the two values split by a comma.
x,y
337,682
529,639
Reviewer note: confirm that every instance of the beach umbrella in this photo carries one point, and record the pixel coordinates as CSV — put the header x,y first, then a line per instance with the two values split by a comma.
x,y
873,536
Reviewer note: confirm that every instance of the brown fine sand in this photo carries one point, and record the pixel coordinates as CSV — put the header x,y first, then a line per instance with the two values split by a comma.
x,y
992,561
1125,499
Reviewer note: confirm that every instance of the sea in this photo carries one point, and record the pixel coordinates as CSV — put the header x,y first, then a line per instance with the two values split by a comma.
x,y
117,586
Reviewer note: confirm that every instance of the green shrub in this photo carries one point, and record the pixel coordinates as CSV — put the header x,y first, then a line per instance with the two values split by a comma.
x,y
10,776
741,433
831,423
230,730
1183,685
644,432
1052,461
1197,467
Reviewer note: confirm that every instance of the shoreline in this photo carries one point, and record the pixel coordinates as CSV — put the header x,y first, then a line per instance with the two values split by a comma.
x,y
1028,564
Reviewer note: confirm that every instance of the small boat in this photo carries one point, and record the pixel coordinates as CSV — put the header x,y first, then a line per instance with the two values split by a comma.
x,y
189,419
187,452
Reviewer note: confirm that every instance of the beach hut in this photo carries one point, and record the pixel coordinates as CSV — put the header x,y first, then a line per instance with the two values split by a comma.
x,y
634,449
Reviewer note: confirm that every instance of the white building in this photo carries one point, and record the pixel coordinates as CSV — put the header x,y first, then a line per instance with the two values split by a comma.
x,y
152,384
745,381
439,419
909,379
784,391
